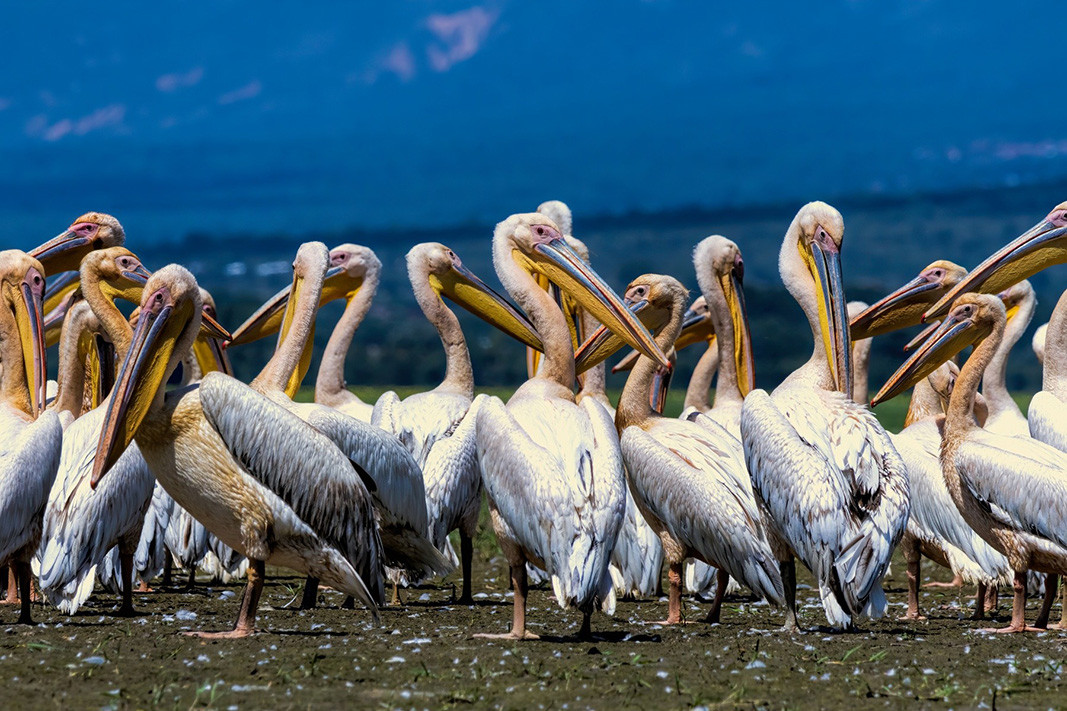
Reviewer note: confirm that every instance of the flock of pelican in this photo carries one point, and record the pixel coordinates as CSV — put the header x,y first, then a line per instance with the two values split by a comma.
x,y
120,469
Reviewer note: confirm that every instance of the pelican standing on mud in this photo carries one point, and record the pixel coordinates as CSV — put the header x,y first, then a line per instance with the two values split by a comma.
x,y
552,468
833,489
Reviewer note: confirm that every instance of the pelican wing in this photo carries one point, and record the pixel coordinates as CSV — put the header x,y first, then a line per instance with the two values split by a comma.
x,y
637,561
453,479
1048,420
934,517
558,485
395,476
1023,481
300,465
690,479
28,463
85,523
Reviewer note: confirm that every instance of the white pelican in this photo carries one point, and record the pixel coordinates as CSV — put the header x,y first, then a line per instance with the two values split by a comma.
x,y
688,477
362,272
353,275
1010,490
82,524
935,527
391,473
833,488
30,447
91,231
1047,418
236,461
1005,417
552,468
437,427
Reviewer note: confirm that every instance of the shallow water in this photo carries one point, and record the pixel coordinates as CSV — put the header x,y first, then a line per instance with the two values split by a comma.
x,y
424,656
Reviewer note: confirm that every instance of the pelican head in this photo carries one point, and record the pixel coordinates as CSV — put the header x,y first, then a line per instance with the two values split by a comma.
x,y
721,273
904,307
1017,297
696,328
22,291
972,318
168,322
534,243
350,267
810,264
1041,246
93,230
653,299
560,214
442,269
118,271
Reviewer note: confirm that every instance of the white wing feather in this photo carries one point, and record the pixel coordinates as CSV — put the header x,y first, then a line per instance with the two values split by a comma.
x,y
1048,420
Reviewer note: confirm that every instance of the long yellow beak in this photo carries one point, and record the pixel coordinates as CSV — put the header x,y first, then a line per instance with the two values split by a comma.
x,y
1041,246
28,307
697,327
54,317
267,320
63,253
556,260
603,343
208,349
464,288
743,359
824,263
899,309
141,374
952,336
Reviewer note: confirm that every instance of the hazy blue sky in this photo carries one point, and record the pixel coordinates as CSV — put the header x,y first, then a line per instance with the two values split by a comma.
x,y
255,115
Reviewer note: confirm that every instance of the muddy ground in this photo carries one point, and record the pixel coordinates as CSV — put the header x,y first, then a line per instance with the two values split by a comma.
x,y
424,656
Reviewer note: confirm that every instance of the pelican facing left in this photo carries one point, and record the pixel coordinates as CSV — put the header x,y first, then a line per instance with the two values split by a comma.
x,y
236,461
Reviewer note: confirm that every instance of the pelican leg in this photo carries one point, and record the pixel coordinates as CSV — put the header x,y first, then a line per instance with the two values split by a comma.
x,y
396,594
168,570
520,585
1051,583
722,580
914,560
21,571
992,597
674,597
246,618
466,554
980,602
192,579
311,594
1018,607
126,563
12,584
788,568
1063,609
586,632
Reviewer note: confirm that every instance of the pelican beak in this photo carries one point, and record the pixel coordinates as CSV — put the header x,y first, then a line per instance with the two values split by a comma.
x,y
824,262
267,320
210,328
923,335
1041,246
900,309
951,337
159,325
208,349
465,289
735,300
627,363
556,260
59,287
63,253
696,328
604,343
54,317
661,383
27,304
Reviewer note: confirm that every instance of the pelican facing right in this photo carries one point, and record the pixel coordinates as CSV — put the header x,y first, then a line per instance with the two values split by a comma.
x,y
833,489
